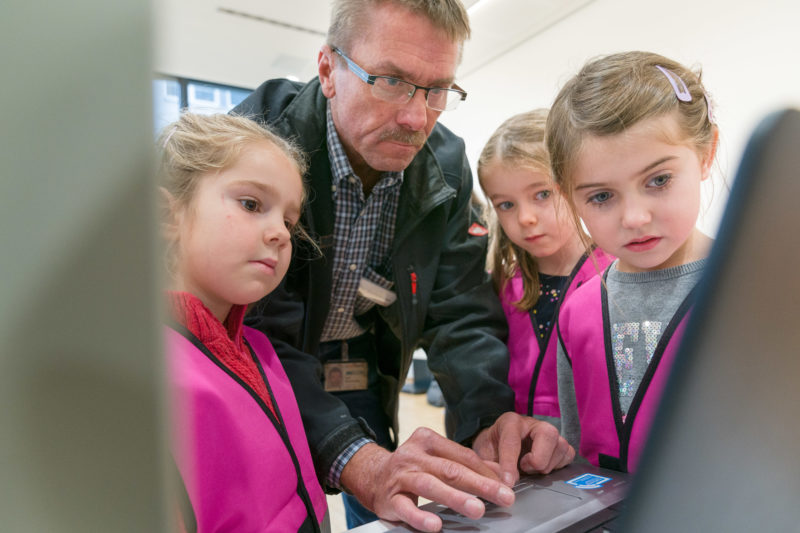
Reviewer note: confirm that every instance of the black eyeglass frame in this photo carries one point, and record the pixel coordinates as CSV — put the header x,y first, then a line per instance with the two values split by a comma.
x,y
370,80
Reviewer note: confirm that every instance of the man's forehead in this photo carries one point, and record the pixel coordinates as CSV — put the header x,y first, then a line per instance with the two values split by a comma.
x,y
401,58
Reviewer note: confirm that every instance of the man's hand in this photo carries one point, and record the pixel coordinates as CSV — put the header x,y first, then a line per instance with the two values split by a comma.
x,y
426,465
521,441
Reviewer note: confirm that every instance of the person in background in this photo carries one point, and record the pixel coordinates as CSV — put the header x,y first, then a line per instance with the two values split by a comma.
x,y
631,139
538,256
402,267
232,194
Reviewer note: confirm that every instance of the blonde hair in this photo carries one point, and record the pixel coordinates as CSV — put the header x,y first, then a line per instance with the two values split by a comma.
x,y
611,94
518,142
348,18
197,144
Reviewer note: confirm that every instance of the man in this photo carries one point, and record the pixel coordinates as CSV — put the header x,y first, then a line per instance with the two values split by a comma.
x,y
402,265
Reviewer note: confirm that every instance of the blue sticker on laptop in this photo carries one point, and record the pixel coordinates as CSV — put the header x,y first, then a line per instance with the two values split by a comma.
x,y
588,481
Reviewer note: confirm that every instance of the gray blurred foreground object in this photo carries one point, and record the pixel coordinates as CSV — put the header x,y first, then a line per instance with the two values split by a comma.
x,y
80,445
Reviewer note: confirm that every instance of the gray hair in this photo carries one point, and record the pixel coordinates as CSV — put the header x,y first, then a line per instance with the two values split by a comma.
x,y
348,17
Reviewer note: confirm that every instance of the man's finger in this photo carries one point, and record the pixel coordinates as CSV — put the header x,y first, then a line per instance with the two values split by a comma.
x,y
509,449
465,501
407,511
452,484
438,446
495,467
548,450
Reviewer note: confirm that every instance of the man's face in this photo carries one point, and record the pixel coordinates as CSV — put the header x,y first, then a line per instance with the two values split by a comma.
x,y
381,136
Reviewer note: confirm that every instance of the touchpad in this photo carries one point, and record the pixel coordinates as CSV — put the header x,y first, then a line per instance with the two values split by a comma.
x,y
534,505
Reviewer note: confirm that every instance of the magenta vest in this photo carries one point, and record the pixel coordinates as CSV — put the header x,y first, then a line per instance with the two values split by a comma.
x,y
532,361
243,469
606,439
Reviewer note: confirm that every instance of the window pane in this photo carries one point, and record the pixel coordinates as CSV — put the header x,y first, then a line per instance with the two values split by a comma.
x,y
203,98
207,98
203,92
237,95
166,103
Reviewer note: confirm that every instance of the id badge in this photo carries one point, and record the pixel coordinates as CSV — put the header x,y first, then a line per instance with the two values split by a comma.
x,y
341,375
375,293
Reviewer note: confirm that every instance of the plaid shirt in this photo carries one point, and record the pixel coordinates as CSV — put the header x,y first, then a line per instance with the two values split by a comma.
x,y
362,239
335,473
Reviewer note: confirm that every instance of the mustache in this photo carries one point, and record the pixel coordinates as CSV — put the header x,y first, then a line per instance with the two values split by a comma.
x,y
415,138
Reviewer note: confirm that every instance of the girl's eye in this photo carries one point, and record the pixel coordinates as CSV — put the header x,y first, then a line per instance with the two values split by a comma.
x,y
249,204
660,181
544,195
504,206
599,198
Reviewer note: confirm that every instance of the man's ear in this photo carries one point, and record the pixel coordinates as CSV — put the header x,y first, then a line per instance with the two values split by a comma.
x,y
710,155
326,66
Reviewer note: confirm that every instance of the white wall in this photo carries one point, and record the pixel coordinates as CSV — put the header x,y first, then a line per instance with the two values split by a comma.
x,y
748,53
193,39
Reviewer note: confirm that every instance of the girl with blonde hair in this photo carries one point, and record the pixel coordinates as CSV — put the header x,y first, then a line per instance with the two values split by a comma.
x,y
538,256
232,196
631,137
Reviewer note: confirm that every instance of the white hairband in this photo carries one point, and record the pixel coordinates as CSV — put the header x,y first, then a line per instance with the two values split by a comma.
x,y
683,93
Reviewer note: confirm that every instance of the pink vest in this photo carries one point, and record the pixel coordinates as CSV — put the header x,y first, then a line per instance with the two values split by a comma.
x,y
244,470
606,439
532,371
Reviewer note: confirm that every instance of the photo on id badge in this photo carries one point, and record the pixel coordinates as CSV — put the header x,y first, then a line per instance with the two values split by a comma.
x,y
345,375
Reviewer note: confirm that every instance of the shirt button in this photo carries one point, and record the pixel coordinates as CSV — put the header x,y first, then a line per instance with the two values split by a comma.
x,y
333,188
353,267
353,180
340,310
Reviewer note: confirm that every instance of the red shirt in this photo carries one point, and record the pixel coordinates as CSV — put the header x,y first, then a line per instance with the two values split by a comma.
x,y
224,340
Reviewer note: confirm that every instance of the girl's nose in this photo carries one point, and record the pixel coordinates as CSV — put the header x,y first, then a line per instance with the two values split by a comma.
x,y
636,215
277,233
527,216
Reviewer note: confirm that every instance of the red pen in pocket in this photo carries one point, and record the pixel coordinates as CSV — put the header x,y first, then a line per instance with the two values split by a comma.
x,y
413,276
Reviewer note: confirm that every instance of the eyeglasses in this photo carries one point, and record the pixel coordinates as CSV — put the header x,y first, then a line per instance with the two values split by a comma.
x,y
400,92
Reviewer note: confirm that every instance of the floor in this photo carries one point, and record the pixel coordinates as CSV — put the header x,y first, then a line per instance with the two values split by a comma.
x,y
415,411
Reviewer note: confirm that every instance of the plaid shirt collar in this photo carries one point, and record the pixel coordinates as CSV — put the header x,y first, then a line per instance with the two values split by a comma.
x,y
340,165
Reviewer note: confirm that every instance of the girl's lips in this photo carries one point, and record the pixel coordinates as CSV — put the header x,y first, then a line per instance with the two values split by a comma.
x,y
268,264
533,238
643,244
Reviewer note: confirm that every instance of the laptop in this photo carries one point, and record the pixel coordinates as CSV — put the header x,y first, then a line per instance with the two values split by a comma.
x,y
579,495
723,451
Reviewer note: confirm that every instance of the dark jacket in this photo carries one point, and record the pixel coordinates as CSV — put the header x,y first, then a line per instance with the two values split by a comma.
x,y
455,315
